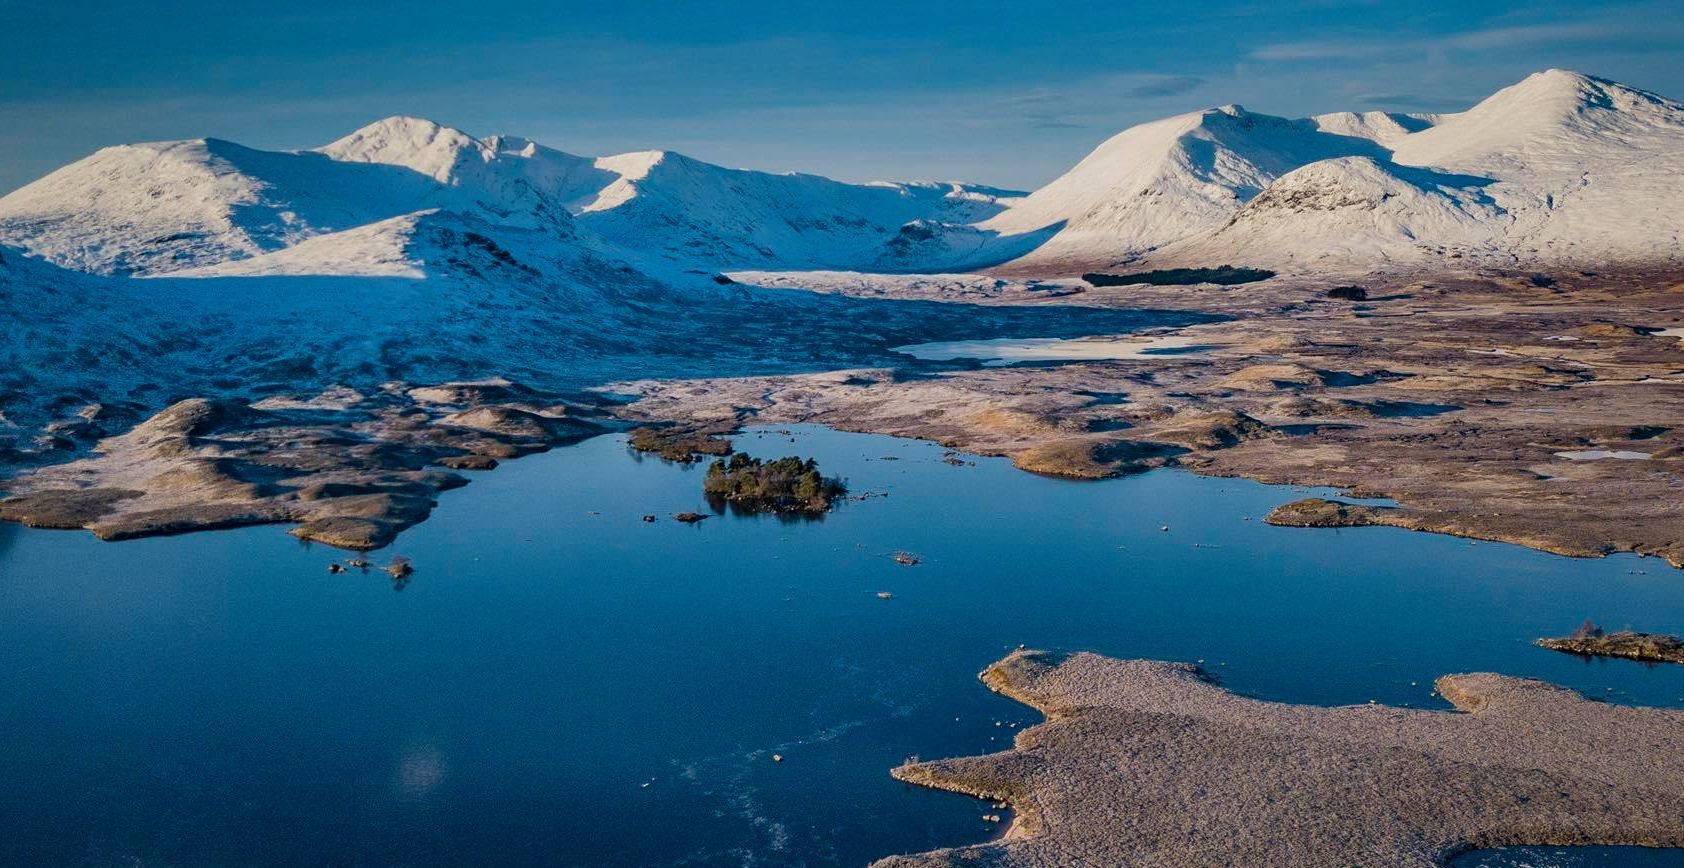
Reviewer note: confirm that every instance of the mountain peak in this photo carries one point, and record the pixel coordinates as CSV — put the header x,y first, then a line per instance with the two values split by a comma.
x,y
1557,91
1563,84
635,165
408,126
426,146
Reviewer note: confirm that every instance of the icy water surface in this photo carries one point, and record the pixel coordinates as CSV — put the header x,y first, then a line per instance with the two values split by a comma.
x,y
996,352
561,683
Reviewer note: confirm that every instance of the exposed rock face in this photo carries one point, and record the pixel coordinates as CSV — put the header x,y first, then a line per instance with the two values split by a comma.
x,y
351,470
1144,763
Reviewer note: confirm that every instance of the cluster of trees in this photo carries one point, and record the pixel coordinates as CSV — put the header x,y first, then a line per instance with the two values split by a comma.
x,y
783,485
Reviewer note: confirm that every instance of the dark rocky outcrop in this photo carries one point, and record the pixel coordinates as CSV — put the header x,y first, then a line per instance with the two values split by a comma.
x,y
679,444
1223,275
1591,641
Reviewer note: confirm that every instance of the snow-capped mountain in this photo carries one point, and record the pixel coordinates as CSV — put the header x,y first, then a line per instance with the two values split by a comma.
x,y
164,207
1167,180
1558,168
670,207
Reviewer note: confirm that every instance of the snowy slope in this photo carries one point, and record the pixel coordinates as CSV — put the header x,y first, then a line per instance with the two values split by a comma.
x,y
514,180
164,207
674,208
428,297
159,207
1350,210
1383,128
68,339
1559,168
1584,168
1163,181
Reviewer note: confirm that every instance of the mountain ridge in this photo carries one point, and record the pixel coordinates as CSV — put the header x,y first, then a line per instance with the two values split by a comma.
x,y
1558,168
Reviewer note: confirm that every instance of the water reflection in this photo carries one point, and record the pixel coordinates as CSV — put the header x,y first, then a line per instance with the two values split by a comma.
x,y
1571,857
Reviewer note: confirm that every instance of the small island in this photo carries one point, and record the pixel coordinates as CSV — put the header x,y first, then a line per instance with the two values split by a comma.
x,y
681,445
788,485
1592,641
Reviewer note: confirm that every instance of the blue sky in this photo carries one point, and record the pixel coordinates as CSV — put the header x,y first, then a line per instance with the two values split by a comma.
x,y
1009,93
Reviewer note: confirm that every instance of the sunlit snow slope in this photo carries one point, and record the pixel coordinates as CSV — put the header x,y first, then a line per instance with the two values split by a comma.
x,y
1560,168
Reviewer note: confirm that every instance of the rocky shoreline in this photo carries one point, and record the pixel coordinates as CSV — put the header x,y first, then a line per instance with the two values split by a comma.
x,y
1460,398
1149,763
350,470
1456,398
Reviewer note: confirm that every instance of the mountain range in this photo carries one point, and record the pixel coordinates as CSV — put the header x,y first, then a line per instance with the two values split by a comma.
x,y
1558,169
412,250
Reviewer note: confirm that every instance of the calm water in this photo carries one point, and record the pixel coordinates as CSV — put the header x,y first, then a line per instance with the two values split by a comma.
x,y
561,683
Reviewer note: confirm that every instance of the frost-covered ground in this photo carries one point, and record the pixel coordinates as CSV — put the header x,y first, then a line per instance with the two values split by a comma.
x,y
433,300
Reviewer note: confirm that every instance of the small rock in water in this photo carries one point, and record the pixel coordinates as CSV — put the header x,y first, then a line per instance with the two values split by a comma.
x,y
335,569
689,517
649,518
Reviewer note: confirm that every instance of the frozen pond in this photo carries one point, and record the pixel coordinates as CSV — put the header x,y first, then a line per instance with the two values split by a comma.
x,y
1009,351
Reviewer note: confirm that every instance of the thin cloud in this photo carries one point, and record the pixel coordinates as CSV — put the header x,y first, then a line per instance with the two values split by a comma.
x,y
1628,31
1173,85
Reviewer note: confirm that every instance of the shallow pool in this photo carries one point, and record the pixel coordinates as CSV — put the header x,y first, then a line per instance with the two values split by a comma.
x,y
997,352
